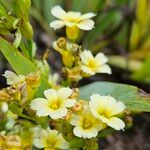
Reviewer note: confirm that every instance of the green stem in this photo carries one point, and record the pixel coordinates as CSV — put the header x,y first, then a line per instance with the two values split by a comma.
x,y
27,117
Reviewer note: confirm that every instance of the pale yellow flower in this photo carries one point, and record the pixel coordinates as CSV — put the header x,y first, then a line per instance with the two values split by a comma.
x,y
105,108
13,78
51,140
86,125
72,20
55,104
92,65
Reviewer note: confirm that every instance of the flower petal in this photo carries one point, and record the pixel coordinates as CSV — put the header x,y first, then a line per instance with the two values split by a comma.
x,y
87,70
70,24
116,123
38,143
39,103
78,131
60,113
73,14
50,94
119,107
58,12
69,103
41,106
104,69
64,93
87,24
86,55
88,15
62,143
57,24
75,120
101,58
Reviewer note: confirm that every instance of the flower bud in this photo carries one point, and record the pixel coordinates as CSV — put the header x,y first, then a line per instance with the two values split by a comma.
x,y
33,80
75,93
61,42
13,141
14,92
69,115
4,96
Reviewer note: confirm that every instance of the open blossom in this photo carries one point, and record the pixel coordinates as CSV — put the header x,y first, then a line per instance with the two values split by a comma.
x,y
51,140
92,65
55,104
86,125
106,108
72,20
13,78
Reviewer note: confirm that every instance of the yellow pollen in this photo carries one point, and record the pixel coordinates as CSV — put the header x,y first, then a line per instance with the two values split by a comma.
x,y
55,105
92,64
87,124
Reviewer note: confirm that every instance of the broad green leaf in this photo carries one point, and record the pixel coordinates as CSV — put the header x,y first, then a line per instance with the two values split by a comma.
x,y
134,98
20,64
6,19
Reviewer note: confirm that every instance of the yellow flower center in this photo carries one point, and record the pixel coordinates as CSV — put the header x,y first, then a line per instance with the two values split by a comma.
x,y
92,64
55,104
104,113
86,124
50,143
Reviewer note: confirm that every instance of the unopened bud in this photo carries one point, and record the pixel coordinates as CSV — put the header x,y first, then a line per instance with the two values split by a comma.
x,y
33,80
14,92
78,107
75,93
61,42
4,96
13,141
69,115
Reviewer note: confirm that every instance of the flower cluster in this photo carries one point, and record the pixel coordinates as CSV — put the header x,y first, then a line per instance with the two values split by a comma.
x,y
78,61
87,118
61,116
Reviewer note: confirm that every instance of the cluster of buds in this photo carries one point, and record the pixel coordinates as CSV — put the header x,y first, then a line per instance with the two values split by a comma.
x,y
79,63
10,142
21,88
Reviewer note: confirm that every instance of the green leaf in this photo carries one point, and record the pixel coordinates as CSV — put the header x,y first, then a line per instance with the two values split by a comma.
x,y
134,98
76,143
21,64
13,107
